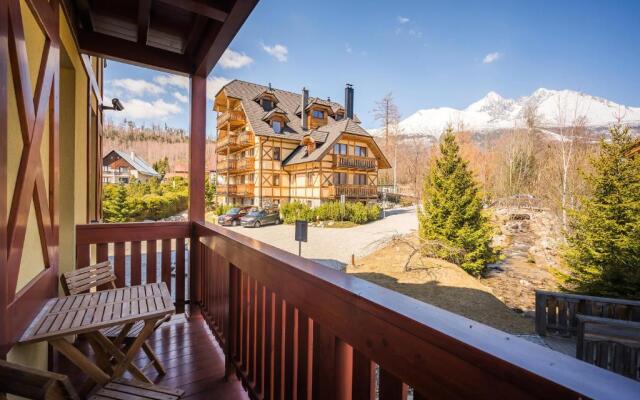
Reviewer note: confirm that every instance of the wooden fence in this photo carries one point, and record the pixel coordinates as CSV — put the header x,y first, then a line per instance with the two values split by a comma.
x,y
556,312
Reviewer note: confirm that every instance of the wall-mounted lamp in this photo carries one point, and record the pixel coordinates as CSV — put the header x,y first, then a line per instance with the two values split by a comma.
x,y
117,106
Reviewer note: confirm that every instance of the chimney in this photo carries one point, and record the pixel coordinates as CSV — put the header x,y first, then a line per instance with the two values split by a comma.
x,y
305,103
348,100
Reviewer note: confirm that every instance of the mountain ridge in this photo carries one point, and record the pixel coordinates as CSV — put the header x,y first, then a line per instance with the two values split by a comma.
x,y
494,112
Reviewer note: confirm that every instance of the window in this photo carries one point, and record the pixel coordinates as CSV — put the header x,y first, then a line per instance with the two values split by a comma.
x,y
340,148
277,126
339,116
105,180
276,180
122,169
276,153
339,178
360,151
105,168
310,176
318,114
267,104
360,179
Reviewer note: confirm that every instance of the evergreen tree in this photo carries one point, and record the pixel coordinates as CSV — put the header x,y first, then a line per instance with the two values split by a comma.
x,y
603,242
161,166
115,205
452,222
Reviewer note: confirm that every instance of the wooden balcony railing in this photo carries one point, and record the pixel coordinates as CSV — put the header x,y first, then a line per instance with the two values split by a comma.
x,y
354,162
232,117
246,164
354,191
243,189
234,141
292,328
228,165
139,252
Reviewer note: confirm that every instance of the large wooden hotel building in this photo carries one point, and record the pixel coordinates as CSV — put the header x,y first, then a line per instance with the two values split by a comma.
x,y
276,146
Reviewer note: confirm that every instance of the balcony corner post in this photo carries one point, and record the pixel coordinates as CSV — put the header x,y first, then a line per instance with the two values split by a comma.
x,y
197,147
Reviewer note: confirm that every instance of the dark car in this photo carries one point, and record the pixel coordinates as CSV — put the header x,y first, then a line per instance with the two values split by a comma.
x,y
258,218
232,217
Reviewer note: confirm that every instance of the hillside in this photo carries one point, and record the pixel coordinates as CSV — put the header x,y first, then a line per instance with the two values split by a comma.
x,y
153,144
494,113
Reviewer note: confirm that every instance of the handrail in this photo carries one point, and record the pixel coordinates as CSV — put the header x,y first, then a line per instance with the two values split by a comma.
x,y
151,248
356,162
348,323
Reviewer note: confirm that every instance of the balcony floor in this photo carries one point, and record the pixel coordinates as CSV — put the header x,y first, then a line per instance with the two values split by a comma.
x,y
191,356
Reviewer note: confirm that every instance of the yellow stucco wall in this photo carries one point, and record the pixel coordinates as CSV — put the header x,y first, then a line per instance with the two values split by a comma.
x,y
73,162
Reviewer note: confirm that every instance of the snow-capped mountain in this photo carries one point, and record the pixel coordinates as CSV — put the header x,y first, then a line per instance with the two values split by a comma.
x,y
493,112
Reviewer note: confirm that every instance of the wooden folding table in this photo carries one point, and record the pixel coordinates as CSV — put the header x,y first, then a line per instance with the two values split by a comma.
x,y
89,313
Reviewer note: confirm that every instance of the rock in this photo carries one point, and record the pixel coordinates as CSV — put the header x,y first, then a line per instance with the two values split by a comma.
x,y
525,282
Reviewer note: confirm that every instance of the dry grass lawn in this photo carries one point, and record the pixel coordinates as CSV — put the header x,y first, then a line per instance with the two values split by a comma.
x,y
440,283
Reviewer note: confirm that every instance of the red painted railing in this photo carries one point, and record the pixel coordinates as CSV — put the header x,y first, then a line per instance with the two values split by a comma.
x,y
140,252
292,328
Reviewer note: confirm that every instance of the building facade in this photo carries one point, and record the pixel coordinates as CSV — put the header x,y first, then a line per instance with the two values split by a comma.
x,y
121,167
276,146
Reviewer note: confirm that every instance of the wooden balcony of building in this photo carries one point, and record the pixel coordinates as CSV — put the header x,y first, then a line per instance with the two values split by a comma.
x,y
266,324
231,118
233,141
227,166
354,162
239,190
354,191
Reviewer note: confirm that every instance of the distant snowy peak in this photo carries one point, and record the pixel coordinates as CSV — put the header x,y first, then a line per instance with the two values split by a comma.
x,y
554,107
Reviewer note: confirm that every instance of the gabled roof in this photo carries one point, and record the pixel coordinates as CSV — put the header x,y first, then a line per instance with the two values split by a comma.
x,y
288,102
275,110
325,137
136,162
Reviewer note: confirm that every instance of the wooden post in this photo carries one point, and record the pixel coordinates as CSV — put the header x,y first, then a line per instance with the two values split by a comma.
x,y
197,143
197,151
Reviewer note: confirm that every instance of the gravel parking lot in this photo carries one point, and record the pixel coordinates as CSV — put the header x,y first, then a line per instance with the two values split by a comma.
x,y
334,246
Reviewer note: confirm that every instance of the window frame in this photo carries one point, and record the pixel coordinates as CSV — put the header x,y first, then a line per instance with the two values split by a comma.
x,y
276,180
337,149
280,125
360,151
319,112
339,181
277,154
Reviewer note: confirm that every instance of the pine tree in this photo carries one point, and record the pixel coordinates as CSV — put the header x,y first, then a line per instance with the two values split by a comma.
x,y
603,242
115,206
452,222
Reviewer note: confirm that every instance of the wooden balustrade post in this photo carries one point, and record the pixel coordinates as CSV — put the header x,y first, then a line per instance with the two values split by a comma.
x,y
197,145
232,321
344,370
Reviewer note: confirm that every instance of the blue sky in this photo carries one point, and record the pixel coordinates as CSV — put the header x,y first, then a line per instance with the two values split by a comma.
x,y
428,53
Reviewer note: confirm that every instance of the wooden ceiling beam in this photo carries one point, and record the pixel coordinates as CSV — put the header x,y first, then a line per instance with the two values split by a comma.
x,y
84,11
199,7
207,57
98,44
144,18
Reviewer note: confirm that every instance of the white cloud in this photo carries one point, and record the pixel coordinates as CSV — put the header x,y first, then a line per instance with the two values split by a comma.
x,y
278,51
145,110
403,20
181,97
348,48
179,81
491,57
233,60
137,86
214,84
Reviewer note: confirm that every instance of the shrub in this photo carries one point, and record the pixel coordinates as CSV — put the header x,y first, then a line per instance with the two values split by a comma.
x,y
330,211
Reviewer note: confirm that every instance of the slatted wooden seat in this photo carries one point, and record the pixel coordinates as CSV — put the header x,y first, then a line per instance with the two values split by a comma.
x,y
121,389
36,384
99,276
33,383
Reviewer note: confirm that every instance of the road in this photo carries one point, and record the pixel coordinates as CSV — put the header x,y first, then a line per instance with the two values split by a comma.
x,y
334,246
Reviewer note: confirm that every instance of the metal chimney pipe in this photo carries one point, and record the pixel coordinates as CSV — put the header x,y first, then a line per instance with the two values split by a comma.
x,y
348,100
305,103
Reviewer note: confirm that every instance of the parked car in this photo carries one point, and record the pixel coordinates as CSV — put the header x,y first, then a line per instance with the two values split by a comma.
x,y
232,217
258,218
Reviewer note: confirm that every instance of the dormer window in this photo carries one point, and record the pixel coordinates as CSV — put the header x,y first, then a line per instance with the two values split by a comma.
x,y
318,114
277,126
267,104
339,115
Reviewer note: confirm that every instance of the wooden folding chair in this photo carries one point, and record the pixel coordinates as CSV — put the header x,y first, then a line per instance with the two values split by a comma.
x,y
32,383
84,279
